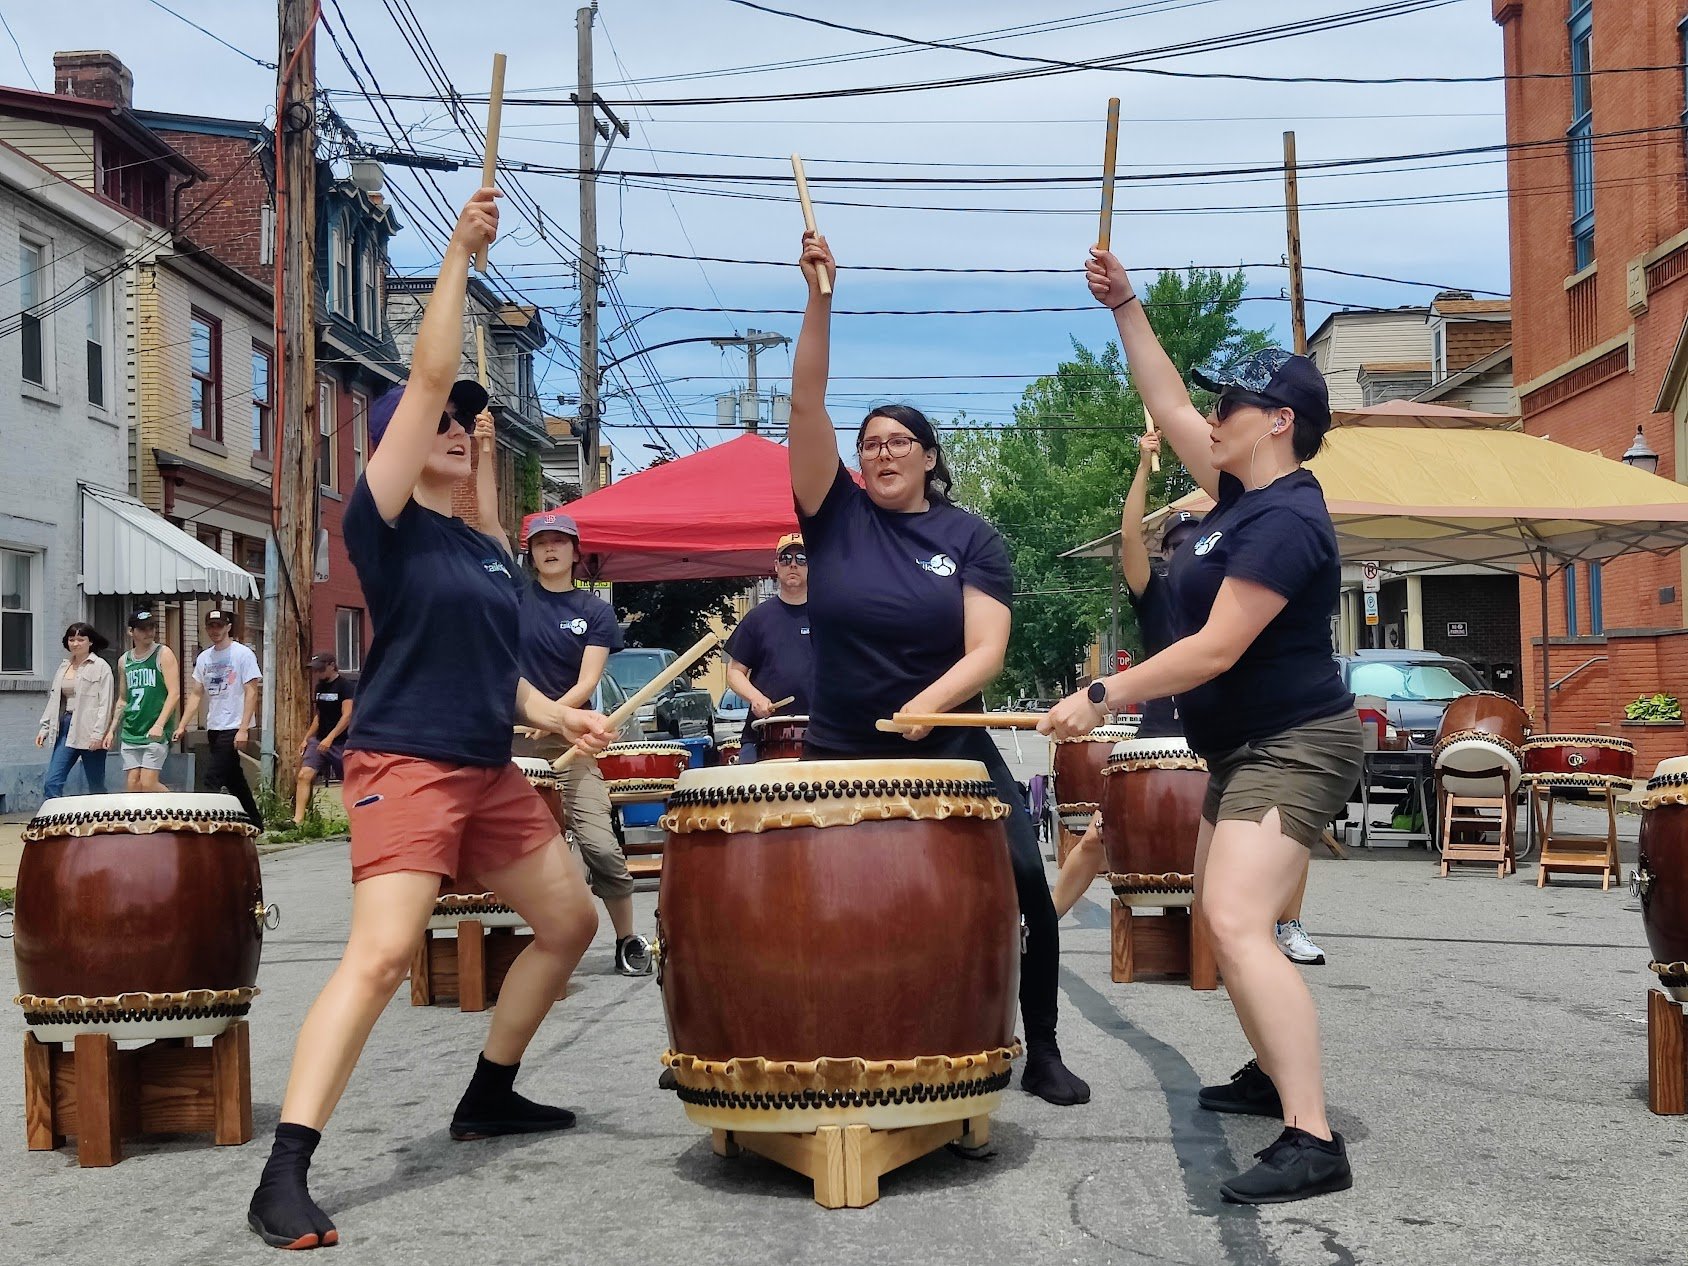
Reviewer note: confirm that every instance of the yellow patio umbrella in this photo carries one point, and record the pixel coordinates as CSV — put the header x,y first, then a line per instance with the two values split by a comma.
x,y
1423,496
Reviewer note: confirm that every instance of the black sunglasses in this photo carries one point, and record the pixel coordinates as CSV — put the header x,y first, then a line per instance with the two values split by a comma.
x,y
1231,401
447,418
789,557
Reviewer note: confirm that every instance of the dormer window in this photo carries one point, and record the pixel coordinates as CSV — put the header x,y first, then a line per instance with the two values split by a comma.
x,y
1439,352
340,277
369,287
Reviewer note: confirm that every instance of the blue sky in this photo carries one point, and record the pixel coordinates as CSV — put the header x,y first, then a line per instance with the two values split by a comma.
x,y
1041,127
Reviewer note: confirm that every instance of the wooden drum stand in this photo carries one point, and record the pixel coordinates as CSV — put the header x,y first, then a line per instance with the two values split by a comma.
x,y
1173,945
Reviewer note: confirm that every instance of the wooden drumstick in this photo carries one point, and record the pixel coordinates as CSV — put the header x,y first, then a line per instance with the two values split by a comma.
x,y
1149,426
902,722
809,215
1110,147
489,160
487,442
650,690
783,702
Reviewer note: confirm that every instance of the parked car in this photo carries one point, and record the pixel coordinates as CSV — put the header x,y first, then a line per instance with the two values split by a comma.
x,y
730,716
1418,686
680,711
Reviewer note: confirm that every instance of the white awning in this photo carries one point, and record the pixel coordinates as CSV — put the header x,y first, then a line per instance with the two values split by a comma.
x,y
128,549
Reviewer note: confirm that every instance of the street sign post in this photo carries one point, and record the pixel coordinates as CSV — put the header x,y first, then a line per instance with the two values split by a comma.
x,y
1371,607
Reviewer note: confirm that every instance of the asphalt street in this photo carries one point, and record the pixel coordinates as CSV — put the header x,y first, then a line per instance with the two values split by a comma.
x,y
1485,1057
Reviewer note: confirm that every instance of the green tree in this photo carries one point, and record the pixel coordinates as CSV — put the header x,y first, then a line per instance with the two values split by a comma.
x,y
1056,476
674,613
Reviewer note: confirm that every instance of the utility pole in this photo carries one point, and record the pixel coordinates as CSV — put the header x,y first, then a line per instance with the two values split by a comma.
x,y
1292,208
294,488
590,128
753,341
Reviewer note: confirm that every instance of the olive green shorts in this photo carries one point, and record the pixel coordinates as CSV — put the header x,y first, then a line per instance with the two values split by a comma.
x,y
1305,773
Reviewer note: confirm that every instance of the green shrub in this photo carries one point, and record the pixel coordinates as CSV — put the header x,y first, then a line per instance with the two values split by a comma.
x,y
1659,707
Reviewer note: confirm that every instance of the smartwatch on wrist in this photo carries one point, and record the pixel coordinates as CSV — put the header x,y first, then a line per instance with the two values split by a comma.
x,y
1098,694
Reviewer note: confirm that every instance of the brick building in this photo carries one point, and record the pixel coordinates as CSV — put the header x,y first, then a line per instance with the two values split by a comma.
x,y
1598,222
355,354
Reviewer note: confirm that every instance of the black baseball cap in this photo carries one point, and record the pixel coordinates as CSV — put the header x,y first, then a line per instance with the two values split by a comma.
x,y
216,615
1276,375
142,620
1178,519
468,399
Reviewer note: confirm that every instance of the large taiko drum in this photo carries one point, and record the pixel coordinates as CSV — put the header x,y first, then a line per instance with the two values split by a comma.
x,y
1479,745
1578,762
464,896
1152,791
839,943
780,738
138,916
1078,764
728,753
1660,877
642,767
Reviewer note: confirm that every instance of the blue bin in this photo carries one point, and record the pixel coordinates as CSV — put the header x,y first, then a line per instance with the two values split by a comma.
x,y
699,747
648,814
641,814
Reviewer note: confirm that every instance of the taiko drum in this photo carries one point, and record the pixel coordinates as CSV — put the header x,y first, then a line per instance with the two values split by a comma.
x,y
1660,878
780,738
1078,771
138,916
838,942
642,766
1591,756
465,896
1152,792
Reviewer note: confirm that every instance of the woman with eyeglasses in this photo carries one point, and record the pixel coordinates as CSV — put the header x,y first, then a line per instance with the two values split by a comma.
x,y
910,601
429,785
1262,702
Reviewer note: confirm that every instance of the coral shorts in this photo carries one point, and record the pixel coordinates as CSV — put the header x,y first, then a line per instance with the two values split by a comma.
x,y
408,813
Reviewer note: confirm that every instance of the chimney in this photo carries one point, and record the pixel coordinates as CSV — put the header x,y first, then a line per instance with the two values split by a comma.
x,y
94,75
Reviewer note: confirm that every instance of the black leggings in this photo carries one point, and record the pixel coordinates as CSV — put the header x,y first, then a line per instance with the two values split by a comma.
x,y
223,772
1041,963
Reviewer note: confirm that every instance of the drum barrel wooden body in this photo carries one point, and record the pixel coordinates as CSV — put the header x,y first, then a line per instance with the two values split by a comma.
x,y
1485,712
1152,792
1078,764
129,902
1661,874
780,738
643,766
465,896
1584,755
840,944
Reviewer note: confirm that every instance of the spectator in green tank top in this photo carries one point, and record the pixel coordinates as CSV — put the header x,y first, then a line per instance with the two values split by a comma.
x,y
149,681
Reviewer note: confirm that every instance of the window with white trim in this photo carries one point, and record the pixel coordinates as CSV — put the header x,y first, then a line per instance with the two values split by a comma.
x,y
341,276
360,432
348,638
19,610
96,326
327,468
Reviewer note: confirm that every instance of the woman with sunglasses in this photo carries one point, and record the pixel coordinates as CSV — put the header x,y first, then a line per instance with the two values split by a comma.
x,y
1262,702
770,656
910,606
429,785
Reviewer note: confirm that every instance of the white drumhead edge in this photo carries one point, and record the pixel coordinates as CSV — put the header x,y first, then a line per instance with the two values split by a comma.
x,y
1671,765
129,801
532,765
1476,755
1137,748
793,719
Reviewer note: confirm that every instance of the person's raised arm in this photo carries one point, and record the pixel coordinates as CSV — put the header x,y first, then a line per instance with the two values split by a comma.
x,y
1157,379
1133,553
589,731
435,360
486,480
814,447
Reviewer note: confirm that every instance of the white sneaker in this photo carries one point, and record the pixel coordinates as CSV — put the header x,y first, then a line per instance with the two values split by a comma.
x,y
1292,940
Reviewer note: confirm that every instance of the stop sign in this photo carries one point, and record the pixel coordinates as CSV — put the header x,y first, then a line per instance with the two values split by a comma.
x,y
1122,660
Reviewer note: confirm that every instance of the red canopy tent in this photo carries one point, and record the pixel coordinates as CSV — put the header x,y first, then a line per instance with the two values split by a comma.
x,y
716,513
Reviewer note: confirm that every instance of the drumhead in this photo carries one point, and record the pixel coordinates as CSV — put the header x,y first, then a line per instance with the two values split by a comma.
x,y
1476,755
823,793
1104,734
786,720
533,767
1541,741
786,777
127,804
1150,749
1672,767
652,748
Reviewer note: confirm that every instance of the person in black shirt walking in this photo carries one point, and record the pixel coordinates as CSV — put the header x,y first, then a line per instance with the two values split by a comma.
x,y
910,602
325,747
770,656
1262,702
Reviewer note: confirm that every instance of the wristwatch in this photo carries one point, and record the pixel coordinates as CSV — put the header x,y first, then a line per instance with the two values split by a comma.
x,y
1098,694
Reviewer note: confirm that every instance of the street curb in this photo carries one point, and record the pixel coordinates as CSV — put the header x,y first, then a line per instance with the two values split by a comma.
x,y
287,846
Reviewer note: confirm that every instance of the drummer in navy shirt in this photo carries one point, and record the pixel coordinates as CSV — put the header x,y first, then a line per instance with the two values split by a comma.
x,y
770,655
1147,588
429,785
910,607
1263,704
567,635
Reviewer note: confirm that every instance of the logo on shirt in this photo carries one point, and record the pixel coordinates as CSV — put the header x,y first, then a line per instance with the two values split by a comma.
x,y
577,626
1206,544
938,565
496,567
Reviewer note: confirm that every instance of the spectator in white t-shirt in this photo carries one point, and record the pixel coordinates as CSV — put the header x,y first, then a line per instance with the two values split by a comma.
x,y
227,673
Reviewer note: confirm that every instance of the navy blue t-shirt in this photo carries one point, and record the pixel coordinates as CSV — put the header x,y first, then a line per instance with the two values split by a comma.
x,y
774,644
440,678
556,629
1157,618
1279,536
885,606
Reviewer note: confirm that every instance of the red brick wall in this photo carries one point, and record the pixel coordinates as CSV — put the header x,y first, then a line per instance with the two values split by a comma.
x,y
226,219
1640,201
